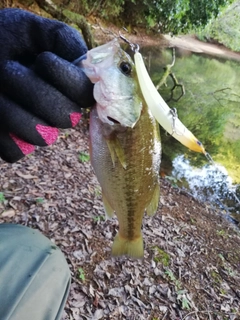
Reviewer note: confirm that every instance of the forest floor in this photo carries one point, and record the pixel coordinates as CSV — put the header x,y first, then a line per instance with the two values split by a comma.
x,y
191,265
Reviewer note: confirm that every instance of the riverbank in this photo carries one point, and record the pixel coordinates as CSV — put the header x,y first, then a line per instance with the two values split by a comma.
x,y
182,42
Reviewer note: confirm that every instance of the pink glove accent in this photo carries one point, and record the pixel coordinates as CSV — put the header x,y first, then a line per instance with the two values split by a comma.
x,y
75,118
24,146
49,134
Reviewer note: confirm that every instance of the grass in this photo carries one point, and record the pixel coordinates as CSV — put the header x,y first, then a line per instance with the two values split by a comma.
x,y
98,219
2,197
81,274
161,256
39,200
181,293
83,157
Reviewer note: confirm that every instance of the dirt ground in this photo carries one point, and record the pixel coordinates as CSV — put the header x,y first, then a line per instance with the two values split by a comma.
x,y
191,266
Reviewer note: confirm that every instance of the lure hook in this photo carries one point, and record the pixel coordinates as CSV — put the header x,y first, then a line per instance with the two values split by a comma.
x,y
174,114
134,46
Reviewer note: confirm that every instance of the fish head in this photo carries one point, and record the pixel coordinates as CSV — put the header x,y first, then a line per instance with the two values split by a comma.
x,y
116,88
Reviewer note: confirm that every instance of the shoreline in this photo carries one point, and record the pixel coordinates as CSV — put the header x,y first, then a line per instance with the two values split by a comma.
x,y
182,42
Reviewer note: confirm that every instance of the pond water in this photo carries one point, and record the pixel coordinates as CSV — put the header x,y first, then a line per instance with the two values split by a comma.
x,y
210,108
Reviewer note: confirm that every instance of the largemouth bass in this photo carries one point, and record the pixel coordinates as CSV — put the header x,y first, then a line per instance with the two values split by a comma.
x,y
125,145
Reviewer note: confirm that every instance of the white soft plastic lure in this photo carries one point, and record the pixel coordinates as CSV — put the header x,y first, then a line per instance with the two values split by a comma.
x,y
166,117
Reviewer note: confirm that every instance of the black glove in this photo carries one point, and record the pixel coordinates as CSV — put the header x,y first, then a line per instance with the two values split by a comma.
x,y
40,89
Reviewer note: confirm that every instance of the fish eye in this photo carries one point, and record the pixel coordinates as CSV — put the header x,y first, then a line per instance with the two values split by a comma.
x,y
126,68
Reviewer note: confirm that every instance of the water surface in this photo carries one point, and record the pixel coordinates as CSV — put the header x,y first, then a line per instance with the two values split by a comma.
x,y
210,108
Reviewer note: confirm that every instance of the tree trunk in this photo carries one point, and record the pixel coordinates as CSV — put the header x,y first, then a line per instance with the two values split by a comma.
x,y
63,15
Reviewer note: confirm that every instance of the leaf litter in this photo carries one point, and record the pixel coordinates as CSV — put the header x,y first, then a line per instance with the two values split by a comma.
x,y
191,265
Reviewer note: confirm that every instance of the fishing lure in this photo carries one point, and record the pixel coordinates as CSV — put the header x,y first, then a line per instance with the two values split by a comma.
x,y
165,116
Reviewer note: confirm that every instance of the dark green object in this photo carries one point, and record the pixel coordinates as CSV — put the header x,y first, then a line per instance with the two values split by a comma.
x,y
34,275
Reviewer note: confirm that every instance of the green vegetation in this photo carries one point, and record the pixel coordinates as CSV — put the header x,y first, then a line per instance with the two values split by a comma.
x,y
182,296
161,256
81,274
39,200
98,219
162,15
221,233
210,107
216,277
172,180
83,157
98,191
225,28
2,197
172,278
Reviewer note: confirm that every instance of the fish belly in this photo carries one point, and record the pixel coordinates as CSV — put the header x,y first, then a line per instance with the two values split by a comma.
x,y
127,162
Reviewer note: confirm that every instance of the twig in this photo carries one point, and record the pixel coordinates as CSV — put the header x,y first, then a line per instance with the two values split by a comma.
x,y
176,84
167,69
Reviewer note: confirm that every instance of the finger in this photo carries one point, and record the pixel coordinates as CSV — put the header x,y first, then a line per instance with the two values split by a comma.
x,y
13,148
66,77
19,36
37,96
24,125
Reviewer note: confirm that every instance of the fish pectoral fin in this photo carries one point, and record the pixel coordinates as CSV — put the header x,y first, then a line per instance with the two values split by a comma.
x,y
112,151
153,205
132,248
109,211
116,150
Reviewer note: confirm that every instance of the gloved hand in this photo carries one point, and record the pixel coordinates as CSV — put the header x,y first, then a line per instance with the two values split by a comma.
x,y
40,89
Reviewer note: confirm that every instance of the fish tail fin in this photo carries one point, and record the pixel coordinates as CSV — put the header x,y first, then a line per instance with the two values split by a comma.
x,y
132,248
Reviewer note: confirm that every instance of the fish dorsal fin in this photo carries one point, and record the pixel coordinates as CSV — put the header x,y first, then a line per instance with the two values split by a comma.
x,y
116,151
153,205
109,211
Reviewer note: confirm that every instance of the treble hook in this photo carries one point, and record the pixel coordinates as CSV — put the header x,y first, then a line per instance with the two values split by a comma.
x,y
173,112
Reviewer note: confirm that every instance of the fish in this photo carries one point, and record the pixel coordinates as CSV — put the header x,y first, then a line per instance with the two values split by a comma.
x,y
125,146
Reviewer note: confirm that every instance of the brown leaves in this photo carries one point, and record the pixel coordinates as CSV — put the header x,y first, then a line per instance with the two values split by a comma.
x,y
191,267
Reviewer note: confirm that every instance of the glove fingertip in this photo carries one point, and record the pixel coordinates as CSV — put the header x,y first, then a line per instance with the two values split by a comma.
x,y
75,118
24,146
49,134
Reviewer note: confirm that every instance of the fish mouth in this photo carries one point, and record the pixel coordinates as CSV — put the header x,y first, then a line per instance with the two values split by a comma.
x,y
113,120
